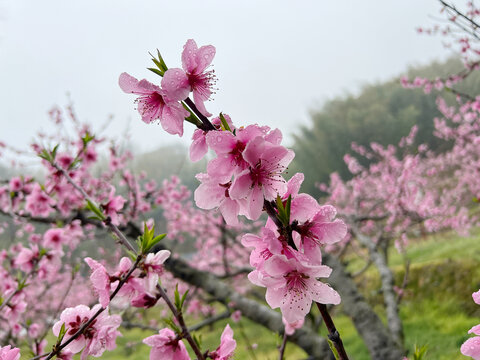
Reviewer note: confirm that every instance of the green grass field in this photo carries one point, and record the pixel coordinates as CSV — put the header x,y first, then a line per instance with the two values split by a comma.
x,y
437,309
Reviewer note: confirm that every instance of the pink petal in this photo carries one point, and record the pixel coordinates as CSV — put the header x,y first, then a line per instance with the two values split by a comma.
x,y
229,209
256,203
208,196
295,305
293,185
241,185
330,233
254,150
175,83
129,84
199,147
173,117
199,99
274,297
204,57
323,293
188,56
303,208
476,297
274,137
221,169
475,330
471,348
222,142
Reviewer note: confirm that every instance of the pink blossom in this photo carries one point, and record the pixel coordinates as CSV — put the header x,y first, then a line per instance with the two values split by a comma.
x,y
154,263
471,347
476,297
9,353
113,206
227,346
100,281
229,149
322,229
54,239
154,104
291,327
262,180
99,336
38,203
27,257
210,194
166,346
236,316
199,147
293,286
194,76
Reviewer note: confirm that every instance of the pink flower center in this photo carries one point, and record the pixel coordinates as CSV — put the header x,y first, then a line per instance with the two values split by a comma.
x,y
296,280
74,326
202,83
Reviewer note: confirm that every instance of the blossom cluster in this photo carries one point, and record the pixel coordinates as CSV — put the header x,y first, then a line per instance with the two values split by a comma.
x,y
246,178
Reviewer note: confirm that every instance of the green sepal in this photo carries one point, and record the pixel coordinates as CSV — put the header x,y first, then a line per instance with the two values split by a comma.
x,y
193,119
93,208
225,125
148,240
74,163
173,326
334,350
54,151
87,138
160,63
177,298
132,255
198,340
61,334
156,71
282,212
287,208
184,297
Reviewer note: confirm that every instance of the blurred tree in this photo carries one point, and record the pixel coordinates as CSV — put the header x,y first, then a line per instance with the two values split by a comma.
x,y
382,113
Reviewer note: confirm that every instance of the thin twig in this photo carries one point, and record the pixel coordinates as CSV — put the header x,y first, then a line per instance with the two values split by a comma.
x,y
333,334
283,346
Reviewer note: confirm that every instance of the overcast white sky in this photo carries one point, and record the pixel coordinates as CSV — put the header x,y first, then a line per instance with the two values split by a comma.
x,y
275,59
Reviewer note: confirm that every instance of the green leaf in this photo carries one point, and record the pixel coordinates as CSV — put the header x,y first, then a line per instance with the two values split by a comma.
x,y
54,151
132,255
177,298
184,297
334,350
45,155
173,326
225,125
287,208
61,333
156,71
192,118
87,138
198,340
93,208
282,213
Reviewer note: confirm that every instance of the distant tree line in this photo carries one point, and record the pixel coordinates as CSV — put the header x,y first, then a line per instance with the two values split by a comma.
x,y
381,112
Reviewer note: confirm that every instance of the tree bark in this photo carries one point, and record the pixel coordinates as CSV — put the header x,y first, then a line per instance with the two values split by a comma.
x,y
378,340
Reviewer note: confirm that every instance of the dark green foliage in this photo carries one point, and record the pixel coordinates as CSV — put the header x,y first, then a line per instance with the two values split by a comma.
x,y
382,113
